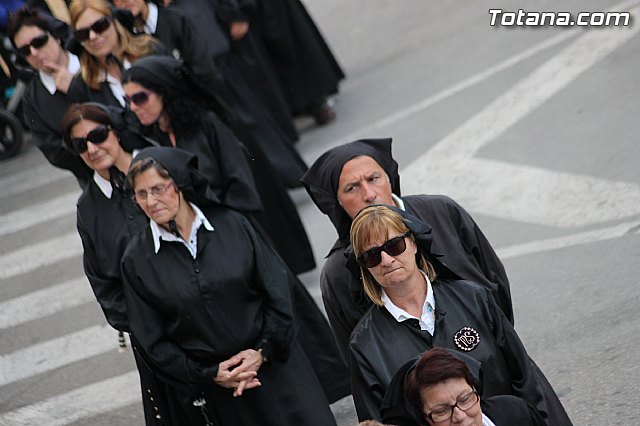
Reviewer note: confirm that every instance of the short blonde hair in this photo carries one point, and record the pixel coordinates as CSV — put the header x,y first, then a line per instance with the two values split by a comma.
x,y
374,223
131,47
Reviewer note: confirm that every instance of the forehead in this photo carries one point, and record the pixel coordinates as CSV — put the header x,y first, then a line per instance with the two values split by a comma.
x,y
88,17
358,167
83,127
132,87
148,179
26,33
444,392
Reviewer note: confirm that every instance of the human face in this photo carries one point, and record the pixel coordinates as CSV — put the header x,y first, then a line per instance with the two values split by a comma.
x,y
99,44
100,156
394,271
134,6
363,183
51,51
149,111
447,393
160,208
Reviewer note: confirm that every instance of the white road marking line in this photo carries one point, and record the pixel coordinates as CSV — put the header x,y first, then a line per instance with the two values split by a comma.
x,y
518,192
31,178
88,401
56,353
48,301
44,253
610,233
44,211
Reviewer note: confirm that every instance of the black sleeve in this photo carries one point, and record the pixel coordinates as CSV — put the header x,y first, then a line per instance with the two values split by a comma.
x,y
148,326
476,243
340,326
367,391
108,291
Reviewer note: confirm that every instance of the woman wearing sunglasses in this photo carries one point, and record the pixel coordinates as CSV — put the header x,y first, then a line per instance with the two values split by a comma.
x,y
107,218
107,49
38,40
209,301
419,304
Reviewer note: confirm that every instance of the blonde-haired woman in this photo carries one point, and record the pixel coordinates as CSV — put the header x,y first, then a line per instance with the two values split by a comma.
x,y
419,304
108,48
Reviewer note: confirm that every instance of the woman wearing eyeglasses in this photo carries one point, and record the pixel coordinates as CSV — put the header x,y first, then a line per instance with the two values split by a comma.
x,y
39,40
440,388
108,48
209,301
419,304
107,218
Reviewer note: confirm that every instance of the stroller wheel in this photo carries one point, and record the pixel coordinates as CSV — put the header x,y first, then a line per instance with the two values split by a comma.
x,y
11,135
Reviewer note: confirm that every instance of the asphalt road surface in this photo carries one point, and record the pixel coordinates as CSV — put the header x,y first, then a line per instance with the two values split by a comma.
x,y
534,130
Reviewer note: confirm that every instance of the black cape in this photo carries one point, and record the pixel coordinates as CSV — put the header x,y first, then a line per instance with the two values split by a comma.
x,y
43,113
306,68
231,297
463,247
380,345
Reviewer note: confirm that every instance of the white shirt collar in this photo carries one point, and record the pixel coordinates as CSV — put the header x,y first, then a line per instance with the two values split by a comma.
x,y
47,79
103,184
115,85
159,232
426,320
152,19
486,421
398,201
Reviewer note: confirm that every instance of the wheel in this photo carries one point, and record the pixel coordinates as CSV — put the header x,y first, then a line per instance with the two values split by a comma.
x,y
11,135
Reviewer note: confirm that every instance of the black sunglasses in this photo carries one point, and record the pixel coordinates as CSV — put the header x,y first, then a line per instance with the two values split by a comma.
x,y
139,98
95,136
36,43
395,246
98,27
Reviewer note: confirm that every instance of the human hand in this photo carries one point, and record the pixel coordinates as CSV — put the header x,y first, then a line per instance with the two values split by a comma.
x,y
61,75
237,30
240,371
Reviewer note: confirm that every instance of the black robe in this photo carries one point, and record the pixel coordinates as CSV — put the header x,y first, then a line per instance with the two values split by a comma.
x,y
43,113
380,345
306,69
232,296
463,247
105,227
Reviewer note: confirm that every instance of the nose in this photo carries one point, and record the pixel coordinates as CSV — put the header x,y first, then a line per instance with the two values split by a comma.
x,y
385,258
92,35
369,193
458,415
91,147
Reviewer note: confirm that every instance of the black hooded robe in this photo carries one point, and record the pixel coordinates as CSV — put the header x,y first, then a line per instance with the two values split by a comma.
x,y
380,345
306,68
191,314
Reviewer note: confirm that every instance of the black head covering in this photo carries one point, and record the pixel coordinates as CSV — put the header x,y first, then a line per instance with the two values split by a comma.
x,y
396,409
165,70
183,168
321,180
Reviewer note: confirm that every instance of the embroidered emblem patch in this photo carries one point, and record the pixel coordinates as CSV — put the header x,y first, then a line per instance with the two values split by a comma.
x,y
466,339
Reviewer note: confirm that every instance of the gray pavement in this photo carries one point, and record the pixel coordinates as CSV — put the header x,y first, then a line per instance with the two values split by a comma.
x,y
533,130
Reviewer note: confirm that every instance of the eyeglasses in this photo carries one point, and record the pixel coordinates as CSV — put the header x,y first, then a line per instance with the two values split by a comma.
x,y
36,43
395,246
96,136
445,412
98,27
156,191
139,98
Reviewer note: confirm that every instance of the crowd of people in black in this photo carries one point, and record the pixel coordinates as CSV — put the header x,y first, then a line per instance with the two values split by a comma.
x,y
176,118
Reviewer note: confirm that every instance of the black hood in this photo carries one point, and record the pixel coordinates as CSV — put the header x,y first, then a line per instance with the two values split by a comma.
x,y
321,180
167,71
183,168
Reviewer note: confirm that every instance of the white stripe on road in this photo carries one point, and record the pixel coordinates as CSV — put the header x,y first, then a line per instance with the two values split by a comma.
x,y
42,303
45,253
84,402
30,178
56,353
17,220
629,228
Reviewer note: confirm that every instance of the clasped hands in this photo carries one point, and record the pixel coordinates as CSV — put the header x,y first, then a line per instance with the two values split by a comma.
x,y
240,372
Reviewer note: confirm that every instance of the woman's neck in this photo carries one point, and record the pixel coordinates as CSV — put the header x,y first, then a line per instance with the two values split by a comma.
x,y
184,219
410,297
122,163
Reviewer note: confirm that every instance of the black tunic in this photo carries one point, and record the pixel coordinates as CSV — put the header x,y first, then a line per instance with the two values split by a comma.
x,y
304,64
464,248
191,314
380,345
43,113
